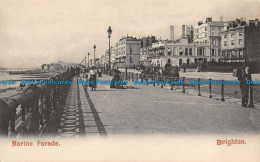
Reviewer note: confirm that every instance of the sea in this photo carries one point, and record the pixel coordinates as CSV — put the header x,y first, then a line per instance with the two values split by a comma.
x,y
17,78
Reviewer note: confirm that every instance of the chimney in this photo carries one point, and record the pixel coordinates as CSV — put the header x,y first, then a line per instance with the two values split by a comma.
x,y
183,30
200,22
251,23
172,33
208,19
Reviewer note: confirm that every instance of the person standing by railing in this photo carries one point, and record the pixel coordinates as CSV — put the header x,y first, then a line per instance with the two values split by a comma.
x,y
243,75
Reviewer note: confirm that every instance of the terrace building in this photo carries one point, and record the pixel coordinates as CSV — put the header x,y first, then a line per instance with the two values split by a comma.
x,y
241,41
207,40
146,45
180,52
127,52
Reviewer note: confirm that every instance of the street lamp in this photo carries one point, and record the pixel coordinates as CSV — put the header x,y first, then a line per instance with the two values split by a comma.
x,y
88,60
109,32
94,55
85,61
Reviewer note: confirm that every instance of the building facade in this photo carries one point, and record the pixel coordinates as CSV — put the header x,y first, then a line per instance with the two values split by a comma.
x,y
127,52
241,41
207,40
146,45
180,52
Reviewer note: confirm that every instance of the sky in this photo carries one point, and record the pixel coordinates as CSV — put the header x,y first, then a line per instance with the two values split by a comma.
x,y
46,31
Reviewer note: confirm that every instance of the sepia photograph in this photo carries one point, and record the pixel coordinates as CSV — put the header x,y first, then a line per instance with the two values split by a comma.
x,y
129,80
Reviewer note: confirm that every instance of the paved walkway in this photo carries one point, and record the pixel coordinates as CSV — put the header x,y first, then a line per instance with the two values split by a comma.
x,y
145,109
78,118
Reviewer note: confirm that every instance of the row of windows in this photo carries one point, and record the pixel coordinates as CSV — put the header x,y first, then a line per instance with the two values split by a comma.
x,y
233,34
199,31
233,42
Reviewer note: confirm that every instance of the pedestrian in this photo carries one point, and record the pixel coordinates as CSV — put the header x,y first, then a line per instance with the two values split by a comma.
x,y
93,78
85,77
243,75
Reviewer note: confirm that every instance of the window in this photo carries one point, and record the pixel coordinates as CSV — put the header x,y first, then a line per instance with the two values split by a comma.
x,y
225,43
130,61
214,42
206,29
240,54
240,41
180,51
240,33
186,51
131,50
232,42
218,52
225,36
212,52
190,51
206,34
169,51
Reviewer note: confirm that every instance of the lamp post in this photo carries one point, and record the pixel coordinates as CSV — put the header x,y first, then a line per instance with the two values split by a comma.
x,y
85,61
94,55
88,60
109,32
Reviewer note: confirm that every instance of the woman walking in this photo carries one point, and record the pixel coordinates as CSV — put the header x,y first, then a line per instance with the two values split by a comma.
x,y
93,78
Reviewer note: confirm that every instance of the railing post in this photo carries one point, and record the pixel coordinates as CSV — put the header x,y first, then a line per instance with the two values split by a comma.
x,y
222,92
162,81
251,100
129,76
199,94
13,114
171,84
23,112
183,85
153,80
4,118
210,96
35,117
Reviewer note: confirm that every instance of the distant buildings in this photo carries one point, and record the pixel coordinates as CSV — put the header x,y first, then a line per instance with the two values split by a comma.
x,y
209,41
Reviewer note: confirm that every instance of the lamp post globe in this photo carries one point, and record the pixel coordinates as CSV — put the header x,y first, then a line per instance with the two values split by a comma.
x,y
94,54
88,60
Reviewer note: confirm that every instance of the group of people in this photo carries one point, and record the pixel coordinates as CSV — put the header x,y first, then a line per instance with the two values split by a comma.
x,y
243,74
91,75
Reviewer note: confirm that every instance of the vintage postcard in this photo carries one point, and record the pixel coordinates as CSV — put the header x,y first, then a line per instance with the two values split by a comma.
x,y
129,80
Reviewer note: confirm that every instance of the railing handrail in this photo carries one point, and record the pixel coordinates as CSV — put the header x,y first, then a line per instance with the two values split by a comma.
x,y
30,93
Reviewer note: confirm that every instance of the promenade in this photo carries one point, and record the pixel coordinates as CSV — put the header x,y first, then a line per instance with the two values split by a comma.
x,y
145,109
